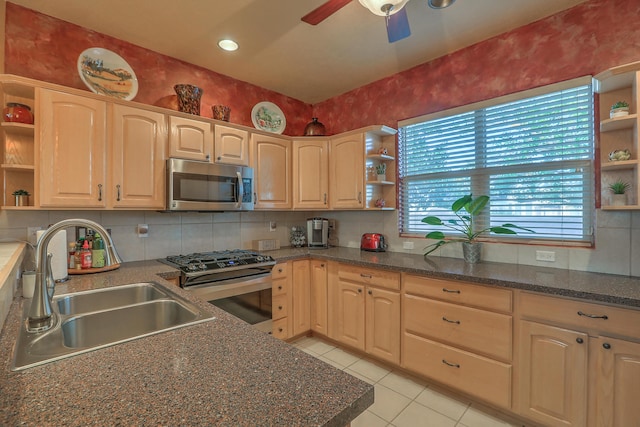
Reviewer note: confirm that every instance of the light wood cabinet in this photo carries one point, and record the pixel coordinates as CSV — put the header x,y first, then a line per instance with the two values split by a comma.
x,y
318,296
553,374
380,149
231,145
617,386
72,158
620,83
300,290
459,334
271,160
579,362
137,161
362,314
347,168
311,174
281,300
190,139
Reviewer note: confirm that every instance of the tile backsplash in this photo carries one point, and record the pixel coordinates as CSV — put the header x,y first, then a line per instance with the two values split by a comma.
x,y
617,249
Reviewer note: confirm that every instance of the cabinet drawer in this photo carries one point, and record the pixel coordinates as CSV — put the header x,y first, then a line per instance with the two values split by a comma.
x,y
279,306
279,271
370,276
476,330
619,321
481,377
459,292
279,287
280,329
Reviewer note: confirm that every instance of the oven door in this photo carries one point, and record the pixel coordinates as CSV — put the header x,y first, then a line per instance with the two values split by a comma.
x,y
248,299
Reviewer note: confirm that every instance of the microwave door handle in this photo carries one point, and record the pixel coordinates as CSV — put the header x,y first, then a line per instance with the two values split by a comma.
x,y
240,191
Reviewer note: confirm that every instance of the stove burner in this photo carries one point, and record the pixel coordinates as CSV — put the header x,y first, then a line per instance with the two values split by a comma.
x,y
218,261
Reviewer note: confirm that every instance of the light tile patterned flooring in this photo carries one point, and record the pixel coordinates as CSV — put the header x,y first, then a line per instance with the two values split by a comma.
x,y
401,401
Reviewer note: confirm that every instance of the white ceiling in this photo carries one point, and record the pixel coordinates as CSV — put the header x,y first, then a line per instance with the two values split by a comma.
x,y
281,53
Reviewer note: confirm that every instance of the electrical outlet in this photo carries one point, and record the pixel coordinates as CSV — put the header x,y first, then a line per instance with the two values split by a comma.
x,y
407,245
143,230
272,226
32,236
546,256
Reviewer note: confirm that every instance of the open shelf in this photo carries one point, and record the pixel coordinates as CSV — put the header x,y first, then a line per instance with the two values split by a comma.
x,y
617,123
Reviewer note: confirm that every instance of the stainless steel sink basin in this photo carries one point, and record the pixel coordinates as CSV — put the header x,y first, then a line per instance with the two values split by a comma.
x,y
96,319
105,299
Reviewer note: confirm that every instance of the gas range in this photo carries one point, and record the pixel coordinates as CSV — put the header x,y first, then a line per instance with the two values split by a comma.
x,y
200,267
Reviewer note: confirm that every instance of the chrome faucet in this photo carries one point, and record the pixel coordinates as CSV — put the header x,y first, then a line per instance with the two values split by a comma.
x,y
41,316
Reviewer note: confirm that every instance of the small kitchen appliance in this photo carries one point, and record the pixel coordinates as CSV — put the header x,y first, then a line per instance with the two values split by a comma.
x,y
373,242
318,232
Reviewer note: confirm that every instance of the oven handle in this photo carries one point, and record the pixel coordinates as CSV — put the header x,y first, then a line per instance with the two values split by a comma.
x,y
227,288
240,192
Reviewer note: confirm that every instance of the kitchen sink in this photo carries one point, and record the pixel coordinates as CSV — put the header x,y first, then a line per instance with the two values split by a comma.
x,y
91,320
109,298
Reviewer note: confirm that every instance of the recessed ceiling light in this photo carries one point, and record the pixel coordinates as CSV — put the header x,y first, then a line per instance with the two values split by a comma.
x,y
228,45
440,4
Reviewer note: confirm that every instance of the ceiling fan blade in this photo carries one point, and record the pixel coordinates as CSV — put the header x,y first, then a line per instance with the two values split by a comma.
x,y
321,13
398,26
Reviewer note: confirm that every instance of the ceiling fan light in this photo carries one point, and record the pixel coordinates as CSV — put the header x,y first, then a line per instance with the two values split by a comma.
x,y
440,4
379,7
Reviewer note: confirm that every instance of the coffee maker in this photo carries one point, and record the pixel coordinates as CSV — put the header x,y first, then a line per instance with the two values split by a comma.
x,y
318,232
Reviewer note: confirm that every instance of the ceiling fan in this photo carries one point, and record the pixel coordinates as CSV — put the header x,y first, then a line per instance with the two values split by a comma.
x,y
393,11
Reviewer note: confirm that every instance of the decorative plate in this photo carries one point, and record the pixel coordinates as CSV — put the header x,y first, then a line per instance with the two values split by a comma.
x,y
267,116
106,73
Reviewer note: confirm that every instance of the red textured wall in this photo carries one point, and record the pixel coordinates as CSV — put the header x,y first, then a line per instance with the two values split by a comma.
x,y
586,39
45,48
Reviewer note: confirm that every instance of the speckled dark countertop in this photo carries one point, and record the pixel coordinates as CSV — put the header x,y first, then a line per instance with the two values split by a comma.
x,y
221,372
598,287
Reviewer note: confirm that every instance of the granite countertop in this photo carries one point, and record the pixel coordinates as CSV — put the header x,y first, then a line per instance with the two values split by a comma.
x,y
221,372
597,287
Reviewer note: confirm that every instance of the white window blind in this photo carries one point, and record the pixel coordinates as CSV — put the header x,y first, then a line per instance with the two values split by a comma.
x,y
533,156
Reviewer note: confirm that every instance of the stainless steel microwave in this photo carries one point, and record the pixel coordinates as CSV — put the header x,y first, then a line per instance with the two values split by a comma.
x,y
199,186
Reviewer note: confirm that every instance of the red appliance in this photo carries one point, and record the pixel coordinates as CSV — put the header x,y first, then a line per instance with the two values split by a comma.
x,y
373,242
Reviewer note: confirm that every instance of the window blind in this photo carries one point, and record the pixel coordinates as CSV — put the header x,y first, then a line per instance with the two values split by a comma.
x,y
533,156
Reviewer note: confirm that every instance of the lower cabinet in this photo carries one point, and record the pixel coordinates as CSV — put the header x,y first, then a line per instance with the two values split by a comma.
x,y
301,297
362,314
318,296
281,300
459,334
579,362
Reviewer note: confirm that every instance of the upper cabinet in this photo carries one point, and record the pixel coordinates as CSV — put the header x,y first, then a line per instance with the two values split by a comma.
x,y
72,139
271,160
190,139
619,139
311,173
231,145
380,152
347,172
137,161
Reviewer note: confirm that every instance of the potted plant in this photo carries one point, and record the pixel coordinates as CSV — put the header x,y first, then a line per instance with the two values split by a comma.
x,y
381,171
619,109
465,224
619,188
22,197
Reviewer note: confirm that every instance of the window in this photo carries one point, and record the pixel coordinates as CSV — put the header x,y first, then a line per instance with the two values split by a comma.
x,y
531,152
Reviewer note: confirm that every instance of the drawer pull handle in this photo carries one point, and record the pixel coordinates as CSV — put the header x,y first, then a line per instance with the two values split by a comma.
x,y
370,292
366,276
280,329
280,287
457,322
451,291
279,307
593,316
579,340
453,365
359,291
99,192
606,345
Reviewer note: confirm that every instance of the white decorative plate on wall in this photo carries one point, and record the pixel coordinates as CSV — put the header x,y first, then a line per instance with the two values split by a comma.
x,y
267,116
106,73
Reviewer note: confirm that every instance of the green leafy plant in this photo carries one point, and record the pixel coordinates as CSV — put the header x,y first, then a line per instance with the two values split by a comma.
x,y
21,193
620,104
619,187
466,209
381,168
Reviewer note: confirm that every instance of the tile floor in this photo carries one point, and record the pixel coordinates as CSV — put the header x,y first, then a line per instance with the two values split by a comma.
x,y
401,401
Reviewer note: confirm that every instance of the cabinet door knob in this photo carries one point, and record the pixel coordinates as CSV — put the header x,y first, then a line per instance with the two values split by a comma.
x,y
453,365
593,316
280,287
279,307
457,322
279,270
280,329
579,340
219,158
322,265
359,291
208,156
451,291
99,192
370,292
606,345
